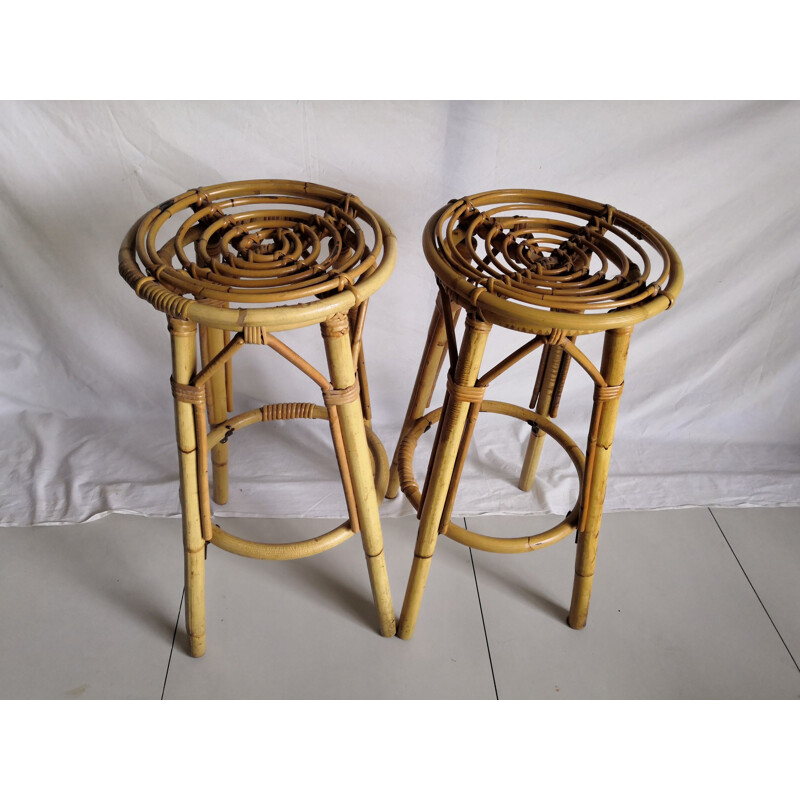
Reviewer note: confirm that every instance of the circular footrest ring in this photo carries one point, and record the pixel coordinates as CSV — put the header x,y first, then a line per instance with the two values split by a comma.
x,y
290,551
493,544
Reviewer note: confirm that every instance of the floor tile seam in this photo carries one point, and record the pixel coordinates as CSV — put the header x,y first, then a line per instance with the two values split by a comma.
x,y
758,597
483,619
172,647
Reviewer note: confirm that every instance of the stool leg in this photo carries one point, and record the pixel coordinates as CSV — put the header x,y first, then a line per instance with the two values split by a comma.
x,y
359,464
184,355
598,456
361,367
551,363
437,487
429,368
217,413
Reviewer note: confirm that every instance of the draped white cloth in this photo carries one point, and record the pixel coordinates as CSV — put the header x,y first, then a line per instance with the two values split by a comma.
x,y
710,410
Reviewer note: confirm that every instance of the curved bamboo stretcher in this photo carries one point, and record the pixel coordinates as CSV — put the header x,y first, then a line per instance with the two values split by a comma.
x,y
556,267
239,262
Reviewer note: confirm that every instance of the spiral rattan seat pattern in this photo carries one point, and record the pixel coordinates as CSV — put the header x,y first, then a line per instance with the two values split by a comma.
x,y
546,264
236,263
528,259
266,244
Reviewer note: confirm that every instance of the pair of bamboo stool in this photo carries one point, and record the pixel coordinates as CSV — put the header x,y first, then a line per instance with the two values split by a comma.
x,y
270,256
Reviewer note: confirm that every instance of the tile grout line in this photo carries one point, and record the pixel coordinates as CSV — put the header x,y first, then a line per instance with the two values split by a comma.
x,y
753,588
483,620
172,647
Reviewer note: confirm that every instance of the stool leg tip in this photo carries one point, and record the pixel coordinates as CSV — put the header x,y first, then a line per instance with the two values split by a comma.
x,y
576,623
526,485
197,647
404,630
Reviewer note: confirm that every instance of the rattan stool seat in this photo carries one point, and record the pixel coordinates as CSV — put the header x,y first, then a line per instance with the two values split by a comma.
x,y
554,266
253,252
527,259
241,261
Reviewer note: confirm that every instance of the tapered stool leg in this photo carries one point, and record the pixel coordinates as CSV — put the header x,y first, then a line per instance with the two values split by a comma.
x,y
184,355
437,489
546,384
335,332
218,413
429,368
355,316
598,456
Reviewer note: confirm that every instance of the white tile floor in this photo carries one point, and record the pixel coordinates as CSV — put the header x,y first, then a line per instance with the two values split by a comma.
x,y
687,604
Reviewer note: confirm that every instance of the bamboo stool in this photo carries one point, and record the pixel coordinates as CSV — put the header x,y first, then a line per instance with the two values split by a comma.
x,y
546,264
268,256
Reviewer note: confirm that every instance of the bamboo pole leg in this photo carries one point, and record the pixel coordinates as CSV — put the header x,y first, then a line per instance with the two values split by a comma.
x,y
184,355
429,368
218,409
552,362
598,457
437,489
360,362
340,363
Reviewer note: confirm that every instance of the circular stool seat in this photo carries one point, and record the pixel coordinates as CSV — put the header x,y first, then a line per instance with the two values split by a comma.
x,y
241,261
531,260
554,266
252,250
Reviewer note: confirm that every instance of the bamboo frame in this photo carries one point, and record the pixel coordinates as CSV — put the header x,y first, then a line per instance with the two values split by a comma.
x,y
557,267
263,243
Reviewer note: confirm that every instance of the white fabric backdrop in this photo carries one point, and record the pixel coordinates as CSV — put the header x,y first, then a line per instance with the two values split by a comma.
x,y
710,411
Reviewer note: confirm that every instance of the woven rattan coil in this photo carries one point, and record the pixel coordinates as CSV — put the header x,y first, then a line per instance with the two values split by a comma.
x,y
539,261
276,254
